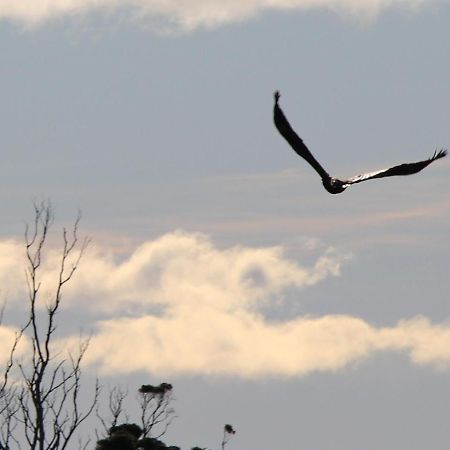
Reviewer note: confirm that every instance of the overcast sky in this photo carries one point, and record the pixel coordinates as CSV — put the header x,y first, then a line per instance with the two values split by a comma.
x,y
308,321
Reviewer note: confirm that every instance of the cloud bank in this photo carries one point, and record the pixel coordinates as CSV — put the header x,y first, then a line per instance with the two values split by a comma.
x,y
190,14
181,305
246,345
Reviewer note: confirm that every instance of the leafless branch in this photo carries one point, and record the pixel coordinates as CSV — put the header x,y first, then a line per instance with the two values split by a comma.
x,y
44,410
156,411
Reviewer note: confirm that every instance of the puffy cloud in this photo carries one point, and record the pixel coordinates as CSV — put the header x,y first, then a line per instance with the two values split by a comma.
x,y
179,304
214,343
177,269
243,344
189,14
186,271
428,344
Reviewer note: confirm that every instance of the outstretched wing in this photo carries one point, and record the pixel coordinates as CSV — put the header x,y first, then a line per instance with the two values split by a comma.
x,y
294,140
402,169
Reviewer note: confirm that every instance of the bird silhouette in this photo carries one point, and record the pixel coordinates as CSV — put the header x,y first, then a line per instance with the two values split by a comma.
x,y
335,185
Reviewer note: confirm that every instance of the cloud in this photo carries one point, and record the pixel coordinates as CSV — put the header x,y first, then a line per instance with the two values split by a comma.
x,y
190,14
428,344
187,270
181,305
210,342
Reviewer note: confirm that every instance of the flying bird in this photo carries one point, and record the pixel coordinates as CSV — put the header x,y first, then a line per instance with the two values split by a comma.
x,y
335,185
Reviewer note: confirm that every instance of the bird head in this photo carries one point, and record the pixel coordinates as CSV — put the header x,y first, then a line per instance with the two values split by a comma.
x,y
333,185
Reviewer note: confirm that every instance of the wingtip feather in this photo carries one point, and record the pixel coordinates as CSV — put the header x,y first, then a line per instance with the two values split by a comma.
x,y
276,96
440,154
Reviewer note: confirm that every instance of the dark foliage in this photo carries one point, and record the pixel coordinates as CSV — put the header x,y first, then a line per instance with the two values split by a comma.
x,y
162,389
126,437
118,441
229,429
126,428
151,444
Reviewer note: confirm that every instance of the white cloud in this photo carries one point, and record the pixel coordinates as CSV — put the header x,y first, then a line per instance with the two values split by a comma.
x,y
185,271
428,344
210,342
190,14
176,266
179,304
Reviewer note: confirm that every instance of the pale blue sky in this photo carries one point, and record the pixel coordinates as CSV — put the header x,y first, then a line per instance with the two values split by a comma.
x,y
150,133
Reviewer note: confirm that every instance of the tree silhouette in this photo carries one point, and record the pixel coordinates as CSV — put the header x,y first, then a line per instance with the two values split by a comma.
x,y
130,437
155,410
228,432
156,415
42,406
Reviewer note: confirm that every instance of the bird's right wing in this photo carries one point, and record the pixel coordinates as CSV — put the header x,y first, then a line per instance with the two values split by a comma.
x,y
401,169
294,140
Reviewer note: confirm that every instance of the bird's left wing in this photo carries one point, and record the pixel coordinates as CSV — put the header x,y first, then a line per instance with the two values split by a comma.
x,y
285,129
402,169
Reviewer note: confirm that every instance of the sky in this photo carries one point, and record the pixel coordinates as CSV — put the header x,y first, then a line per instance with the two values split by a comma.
x,y
217,260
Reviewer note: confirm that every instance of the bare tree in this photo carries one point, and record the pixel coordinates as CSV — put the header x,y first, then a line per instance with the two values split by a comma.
x,y
42,406
155,411
155,407
115,410
156,415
